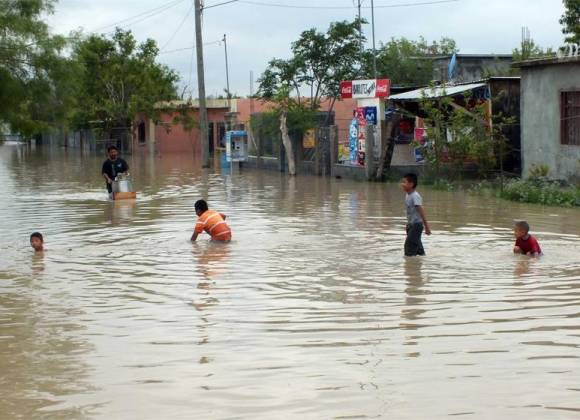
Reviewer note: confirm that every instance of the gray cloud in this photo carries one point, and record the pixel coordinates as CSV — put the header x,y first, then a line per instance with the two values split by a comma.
x,y
258,33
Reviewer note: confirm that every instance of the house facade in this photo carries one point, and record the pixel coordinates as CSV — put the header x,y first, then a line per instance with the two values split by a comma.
x,y
550,114
471,67
168,135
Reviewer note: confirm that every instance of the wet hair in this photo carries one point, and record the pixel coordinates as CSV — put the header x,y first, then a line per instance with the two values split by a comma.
x,y
523,225
201,206
412,178
112,147
37,235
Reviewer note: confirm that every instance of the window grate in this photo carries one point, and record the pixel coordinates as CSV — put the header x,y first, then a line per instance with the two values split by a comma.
x,y
570,118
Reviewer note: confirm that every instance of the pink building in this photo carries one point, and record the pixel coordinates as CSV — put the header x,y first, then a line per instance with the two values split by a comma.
x,y
169,136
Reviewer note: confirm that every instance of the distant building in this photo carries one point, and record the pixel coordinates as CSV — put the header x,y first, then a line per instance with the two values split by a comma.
x,y
168,135
550,115
501,93
472,67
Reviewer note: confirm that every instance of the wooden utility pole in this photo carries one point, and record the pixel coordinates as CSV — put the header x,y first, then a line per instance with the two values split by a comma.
x,y
360,29
227,74
374,47
203,125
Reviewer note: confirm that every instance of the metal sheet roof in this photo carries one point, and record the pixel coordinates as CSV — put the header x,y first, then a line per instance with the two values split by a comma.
x,y
436,92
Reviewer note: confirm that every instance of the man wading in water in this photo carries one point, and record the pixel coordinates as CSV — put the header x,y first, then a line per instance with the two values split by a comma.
x,y
113,167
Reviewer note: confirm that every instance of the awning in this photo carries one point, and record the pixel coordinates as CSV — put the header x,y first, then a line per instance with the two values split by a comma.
x,y
435,92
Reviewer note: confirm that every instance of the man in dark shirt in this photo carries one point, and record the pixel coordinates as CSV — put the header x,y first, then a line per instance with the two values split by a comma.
x,y
113,167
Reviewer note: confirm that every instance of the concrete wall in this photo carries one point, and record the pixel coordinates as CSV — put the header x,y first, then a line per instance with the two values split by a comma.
x,y
173,138
541,88
471,68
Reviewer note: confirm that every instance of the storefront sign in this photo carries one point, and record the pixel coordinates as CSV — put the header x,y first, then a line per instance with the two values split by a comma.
x,y
359,89
362,135
353,140
309,140
371,115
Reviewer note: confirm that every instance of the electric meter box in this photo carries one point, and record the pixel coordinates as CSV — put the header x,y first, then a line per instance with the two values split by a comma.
x,y
236,146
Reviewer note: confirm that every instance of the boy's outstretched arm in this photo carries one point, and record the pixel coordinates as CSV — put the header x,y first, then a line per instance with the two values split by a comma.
x,y
194,236
424,217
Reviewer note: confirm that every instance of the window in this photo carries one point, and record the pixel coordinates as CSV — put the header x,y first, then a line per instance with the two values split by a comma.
x,y
141,135
570,118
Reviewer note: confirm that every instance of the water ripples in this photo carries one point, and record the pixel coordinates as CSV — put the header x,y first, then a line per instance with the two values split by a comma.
x,y
310,312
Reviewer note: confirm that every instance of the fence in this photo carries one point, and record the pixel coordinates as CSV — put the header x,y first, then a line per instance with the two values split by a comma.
x,y
88,140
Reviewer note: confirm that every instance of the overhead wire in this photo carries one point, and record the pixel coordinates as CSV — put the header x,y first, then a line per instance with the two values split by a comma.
x,y
178,27
141,16
190,47
211,6
295,6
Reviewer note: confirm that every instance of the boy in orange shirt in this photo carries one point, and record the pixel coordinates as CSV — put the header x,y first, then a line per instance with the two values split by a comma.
x,y
212,222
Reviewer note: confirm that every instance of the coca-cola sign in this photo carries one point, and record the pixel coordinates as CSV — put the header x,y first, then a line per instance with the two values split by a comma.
x,y
372,88
346,89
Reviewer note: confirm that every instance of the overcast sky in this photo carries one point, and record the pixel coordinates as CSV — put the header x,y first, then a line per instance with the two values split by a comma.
x,y
256,33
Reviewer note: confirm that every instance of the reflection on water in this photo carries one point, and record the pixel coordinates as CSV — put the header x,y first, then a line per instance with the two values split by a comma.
x,y
310,312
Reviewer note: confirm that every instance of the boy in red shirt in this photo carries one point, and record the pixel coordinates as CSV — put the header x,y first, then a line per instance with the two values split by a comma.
x,y
526,244
211,222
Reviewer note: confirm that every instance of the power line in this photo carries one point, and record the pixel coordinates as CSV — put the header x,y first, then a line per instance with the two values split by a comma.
x,y
178,28
143,16
293,6
219,4
189,48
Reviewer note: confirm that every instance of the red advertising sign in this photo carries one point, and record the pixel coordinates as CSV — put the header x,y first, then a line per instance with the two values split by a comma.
x,y
346,89
383,88
359,89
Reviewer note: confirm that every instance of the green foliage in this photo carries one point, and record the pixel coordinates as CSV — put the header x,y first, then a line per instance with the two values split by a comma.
x,y
31,67
319,62
106,80
184,117
539,171
300,117
540,191
571,21
530,50
118,79
440,184
460,132
407,62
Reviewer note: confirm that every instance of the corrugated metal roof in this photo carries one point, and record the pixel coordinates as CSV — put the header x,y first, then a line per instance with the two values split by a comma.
x,y
436,92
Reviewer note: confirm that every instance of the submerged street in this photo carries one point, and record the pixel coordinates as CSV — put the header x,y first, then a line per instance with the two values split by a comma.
x,y
311,311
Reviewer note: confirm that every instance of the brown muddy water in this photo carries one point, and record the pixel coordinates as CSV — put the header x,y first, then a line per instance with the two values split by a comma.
x,y
311,312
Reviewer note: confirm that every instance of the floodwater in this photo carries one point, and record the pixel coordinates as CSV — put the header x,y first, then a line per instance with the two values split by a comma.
x,y
311,312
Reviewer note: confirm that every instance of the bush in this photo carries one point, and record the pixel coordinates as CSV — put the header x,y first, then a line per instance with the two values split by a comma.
x,y
440,184
540,191
539,171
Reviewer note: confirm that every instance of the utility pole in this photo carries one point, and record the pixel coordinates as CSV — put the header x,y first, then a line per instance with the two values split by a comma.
x,y
360,29
251,92
374,48
203,125
227,74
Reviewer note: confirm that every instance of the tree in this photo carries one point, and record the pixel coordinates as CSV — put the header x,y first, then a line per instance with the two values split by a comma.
x,y
292,117
319,62
407,62
571,21
118,79
31,67
529,50
460,134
